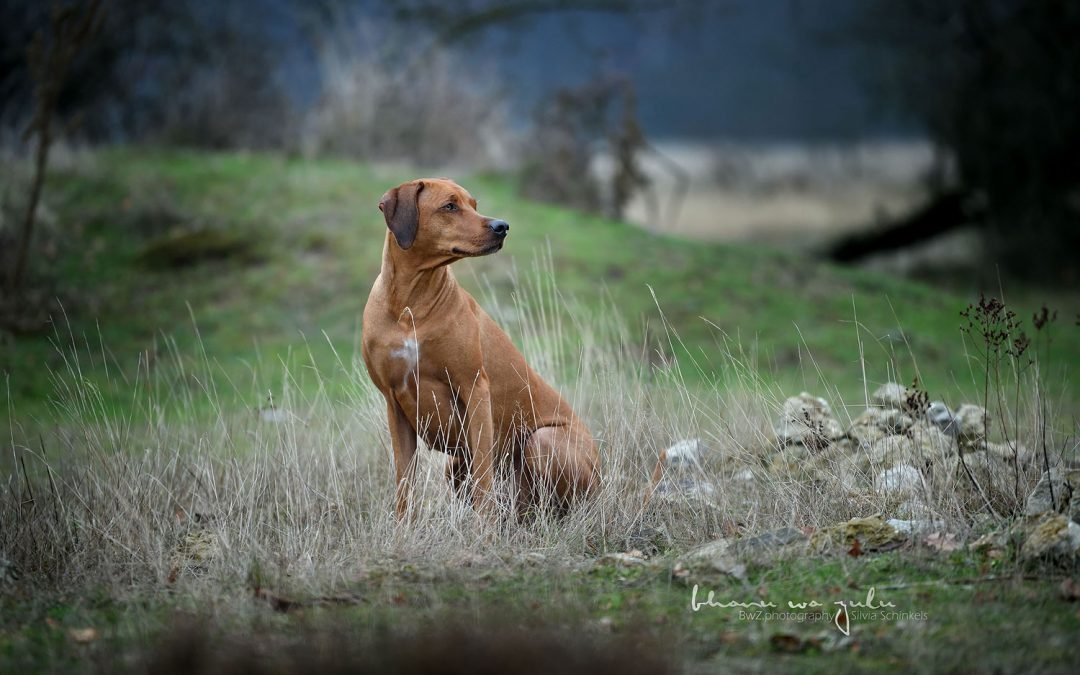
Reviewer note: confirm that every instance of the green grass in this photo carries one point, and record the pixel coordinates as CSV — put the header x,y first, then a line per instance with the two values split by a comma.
x,y
316,236
154,371
960,617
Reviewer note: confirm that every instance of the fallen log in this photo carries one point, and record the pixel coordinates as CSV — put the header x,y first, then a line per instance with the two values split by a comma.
x,y
943,213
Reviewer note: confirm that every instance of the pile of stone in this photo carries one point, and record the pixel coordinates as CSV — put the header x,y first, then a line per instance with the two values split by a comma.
x,y
912,451
904,453
1050,526
902,445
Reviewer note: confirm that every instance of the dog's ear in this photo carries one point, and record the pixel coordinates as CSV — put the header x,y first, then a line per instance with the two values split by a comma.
x,y
400,208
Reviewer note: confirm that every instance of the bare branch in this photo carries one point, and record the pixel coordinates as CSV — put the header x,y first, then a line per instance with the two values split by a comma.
x,y
49,62
452,24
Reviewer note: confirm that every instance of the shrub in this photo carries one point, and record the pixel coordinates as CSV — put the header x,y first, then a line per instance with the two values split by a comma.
x,y
384,96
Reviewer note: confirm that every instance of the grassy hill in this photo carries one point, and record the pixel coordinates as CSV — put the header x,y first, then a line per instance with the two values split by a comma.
x,y
148,515
254,260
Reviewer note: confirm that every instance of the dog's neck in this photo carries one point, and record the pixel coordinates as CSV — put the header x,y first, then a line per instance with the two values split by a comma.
x,y
408,285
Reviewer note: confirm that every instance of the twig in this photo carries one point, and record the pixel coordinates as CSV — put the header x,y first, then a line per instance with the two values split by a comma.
x,y
975,483
971,581
57,502
49,66
281,604
26,479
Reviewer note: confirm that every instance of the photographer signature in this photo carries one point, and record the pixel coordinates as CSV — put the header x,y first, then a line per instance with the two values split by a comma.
x,y
841,619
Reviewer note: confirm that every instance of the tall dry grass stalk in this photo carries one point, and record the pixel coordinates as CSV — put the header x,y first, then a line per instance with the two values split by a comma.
x,y
387,94
194,479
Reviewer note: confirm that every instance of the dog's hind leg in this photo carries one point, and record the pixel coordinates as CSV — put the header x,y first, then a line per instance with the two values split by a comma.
x,y
457,474
561,462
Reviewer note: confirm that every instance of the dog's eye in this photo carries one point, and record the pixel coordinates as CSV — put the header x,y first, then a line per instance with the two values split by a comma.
x,y
450,207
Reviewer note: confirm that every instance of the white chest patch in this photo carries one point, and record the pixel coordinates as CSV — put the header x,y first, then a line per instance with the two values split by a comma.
x,y
410,353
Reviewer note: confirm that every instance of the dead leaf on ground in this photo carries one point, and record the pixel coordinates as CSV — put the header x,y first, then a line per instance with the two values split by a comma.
x,y
1070,590
83,636
983,597
793,644
282,604
786,642
942,541
856,549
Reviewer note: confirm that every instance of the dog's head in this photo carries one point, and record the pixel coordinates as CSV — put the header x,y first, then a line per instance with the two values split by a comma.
x,y
438,218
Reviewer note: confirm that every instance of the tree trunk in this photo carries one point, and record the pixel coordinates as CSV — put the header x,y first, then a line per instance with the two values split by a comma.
x,y
948,211
41,156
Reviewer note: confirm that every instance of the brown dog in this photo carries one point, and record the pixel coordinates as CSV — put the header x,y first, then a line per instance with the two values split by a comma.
x,y
450,374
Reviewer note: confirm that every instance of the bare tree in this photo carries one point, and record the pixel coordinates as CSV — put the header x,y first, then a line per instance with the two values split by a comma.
x,y
570,130
457,21
994,83
169,71
49,58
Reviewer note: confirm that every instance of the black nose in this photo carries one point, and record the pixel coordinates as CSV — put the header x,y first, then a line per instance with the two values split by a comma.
x,y
499,227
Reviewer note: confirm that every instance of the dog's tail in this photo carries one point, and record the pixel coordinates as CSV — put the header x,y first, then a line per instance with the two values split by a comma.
x,y
676,464
657,476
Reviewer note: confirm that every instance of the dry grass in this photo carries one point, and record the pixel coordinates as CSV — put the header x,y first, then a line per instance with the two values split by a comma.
x,y
789,195
387,94
192,480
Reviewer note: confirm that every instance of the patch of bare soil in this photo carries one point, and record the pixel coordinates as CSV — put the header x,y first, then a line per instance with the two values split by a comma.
x,y
790,195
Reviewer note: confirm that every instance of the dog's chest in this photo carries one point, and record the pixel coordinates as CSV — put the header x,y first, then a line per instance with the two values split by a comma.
x,y
403,361
395,358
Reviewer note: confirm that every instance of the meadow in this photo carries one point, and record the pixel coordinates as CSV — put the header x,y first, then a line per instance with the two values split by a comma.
x,y
199,475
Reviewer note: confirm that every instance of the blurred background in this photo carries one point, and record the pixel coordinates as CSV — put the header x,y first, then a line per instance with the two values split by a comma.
x,y
715,204
930,140
791,121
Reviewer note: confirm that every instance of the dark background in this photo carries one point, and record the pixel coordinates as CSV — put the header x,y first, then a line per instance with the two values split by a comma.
x,y
541,88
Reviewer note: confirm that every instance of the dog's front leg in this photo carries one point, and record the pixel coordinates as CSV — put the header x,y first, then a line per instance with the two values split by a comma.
x,y
403,438
481,435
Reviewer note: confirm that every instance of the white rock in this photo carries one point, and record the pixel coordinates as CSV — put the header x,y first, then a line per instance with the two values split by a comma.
x,y
685,454
864,432
915,508
970,423
890,451
628,559
745,475
1010,452
890,395
876,423
911,526
930,441
273,415
1073,533
902,478
808,420
1054,535
939,413
685,488
716,555
533,558
1039,501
